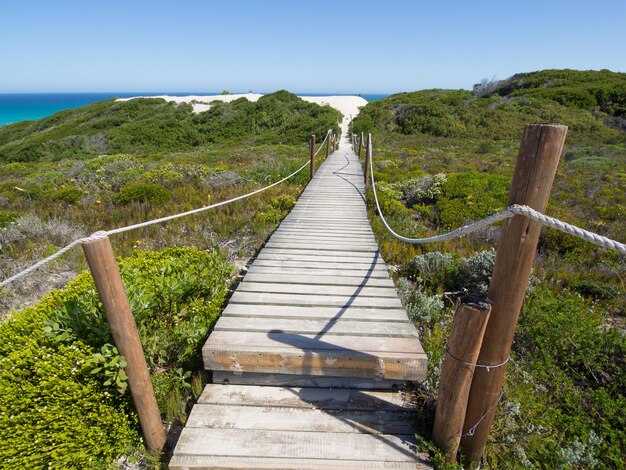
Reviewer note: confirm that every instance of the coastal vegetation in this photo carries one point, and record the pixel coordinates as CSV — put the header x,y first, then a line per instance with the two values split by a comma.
x,y
64,402
443,158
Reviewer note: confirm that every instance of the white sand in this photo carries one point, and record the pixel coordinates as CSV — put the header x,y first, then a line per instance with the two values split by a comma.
x,y
346,105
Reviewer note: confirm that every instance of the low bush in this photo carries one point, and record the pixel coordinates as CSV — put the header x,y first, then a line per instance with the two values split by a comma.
x,y
63,396
144,192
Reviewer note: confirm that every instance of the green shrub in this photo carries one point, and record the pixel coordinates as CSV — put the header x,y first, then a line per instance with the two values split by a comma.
x,y
6,217
143,192
63,397
278,209
67,194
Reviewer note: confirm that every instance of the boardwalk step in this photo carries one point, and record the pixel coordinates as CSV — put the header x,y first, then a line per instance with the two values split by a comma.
x,y
333,355
289,380
309,354
297,428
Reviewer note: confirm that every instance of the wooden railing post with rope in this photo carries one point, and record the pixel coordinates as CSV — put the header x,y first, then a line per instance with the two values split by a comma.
x,y
360,147
312,162
368,158
108,281
462,349
465,412
535,169
328,139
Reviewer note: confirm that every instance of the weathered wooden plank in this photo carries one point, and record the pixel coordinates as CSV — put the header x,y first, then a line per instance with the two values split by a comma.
x,y
319,280
304,397
288,380
356,345
300,419
302,445
296,255
294,311
320,253
334,363
338,272
314,327
302,289
322,264
254,298
199,462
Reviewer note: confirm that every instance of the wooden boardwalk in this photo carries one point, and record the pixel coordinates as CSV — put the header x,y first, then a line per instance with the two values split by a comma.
x,y
309,354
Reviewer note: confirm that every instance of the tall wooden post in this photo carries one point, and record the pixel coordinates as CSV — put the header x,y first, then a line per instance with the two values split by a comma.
x,y
312,146
328,139
360,145
103,266
368,159
466,336
536,165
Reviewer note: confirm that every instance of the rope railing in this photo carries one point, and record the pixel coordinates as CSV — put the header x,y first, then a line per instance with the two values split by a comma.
x,y
323,142
510,211
108,281
468,392
104,233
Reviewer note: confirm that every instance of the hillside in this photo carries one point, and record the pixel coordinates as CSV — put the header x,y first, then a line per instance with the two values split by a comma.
x,y
112,164
146,125
443,158
592,104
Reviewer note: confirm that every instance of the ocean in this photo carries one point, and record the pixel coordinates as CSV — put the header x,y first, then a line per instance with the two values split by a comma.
x,y
15,107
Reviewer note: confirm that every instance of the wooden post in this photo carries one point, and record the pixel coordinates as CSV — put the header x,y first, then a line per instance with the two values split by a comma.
x,y
103,266
368,159
312,165
360,145
536,165
466,336
328,138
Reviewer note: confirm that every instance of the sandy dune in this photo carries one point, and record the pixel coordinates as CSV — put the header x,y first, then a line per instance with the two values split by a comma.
x,y
346,105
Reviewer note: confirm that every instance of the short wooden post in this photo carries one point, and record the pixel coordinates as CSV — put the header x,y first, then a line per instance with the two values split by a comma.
x,y
368,159
466,336
312,165
360,145
535,169
328,139
108,280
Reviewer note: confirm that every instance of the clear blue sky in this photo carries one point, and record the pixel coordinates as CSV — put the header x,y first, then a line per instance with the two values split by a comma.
x,y
303,46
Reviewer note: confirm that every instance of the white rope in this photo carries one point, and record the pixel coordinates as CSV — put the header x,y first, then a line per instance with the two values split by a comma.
x,y
322,144
102,234
510,211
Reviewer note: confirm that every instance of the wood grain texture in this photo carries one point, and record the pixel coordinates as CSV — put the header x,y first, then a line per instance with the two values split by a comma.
x,y
309,354
535,169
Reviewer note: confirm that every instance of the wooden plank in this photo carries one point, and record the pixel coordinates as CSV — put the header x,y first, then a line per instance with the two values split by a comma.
x,y
300,419
319,280
293,311
314,327
318,252
302,289
304,397
357,345
322,264
338,272
302,445
188,462
287,380
296,255
254,298
334,363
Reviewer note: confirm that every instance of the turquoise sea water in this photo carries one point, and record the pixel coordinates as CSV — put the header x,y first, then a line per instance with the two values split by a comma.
x,y
15,107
